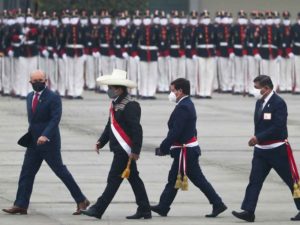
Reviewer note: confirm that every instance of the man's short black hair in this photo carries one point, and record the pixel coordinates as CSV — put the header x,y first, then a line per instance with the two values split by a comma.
x,y
264,81
182,84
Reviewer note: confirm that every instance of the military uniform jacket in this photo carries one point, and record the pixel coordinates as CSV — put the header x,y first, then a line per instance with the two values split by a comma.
x,y
238,39
252,39
16,39
205,40
147,41
49,40
92,39
296,38
106,44
120,40
188,37
270,42
286,37
224,43
75,40
30,45
128,115
6,39
164,42
132,44
176,41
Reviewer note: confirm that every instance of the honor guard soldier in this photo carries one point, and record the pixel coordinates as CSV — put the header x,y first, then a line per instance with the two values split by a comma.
x,y
188,33
163,55
253,57
205,40
287,61
238,39
296,52
225,53
106,46
270,49
75,40
92,53
156,19
29,53
147,40
177,54
120,43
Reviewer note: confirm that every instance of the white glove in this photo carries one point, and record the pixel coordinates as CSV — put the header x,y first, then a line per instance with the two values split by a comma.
x,y
231,55
278,59
22,38
64,57
96,54
137,58
125,55
10,53
45,53
55,56
257,57
195,57
291,55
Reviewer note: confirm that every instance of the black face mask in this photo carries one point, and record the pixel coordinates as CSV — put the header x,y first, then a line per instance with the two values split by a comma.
x,y
111,93
38,86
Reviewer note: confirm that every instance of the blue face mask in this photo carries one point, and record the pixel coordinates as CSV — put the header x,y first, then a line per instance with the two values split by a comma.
x,y
111,93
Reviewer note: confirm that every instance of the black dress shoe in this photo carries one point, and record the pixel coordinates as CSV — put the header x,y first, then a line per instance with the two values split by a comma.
x,y
139,215
91,212
244,215
217,210
296,218
159,210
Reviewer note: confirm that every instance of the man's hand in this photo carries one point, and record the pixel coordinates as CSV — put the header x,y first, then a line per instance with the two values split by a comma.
x,y
134,156
253,141
97,147
42,140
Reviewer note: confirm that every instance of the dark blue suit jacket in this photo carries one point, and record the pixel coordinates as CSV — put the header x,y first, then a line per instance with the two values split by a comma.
x,y
45,120
182,126
274,128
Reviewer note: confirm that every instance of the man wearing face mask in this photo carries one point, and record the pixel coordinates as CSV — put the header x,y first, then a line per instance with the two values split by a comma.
x,y
270,144
124,134
181,143
43,143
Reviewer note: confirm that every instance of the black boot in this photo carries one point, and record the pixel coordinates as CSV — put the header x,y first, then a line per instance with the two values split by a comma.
x,y
296,218
139,215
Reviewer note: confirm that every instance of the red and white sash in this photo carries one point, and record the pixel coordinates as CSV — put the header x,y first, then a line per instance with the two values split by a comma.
x,y
119,133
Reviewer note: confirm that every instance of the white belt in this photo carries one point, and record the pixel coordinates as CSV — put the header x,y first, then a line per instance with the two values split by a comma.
x,y
238,46
119,46
16,44
188,46
145,47
189,145
206,46
270,146
250,44
175,46
284,45
104,45
29,42
223,44
50,48
74,46
269,46
297,44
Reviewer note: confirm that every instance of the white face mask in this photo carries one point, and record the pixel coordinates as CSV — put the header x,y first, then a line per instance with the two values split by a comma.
x,y
106,21
163,21
128,20
257,94
54,23
29,20
11,22
269,21
183,20
147,21
21,20
137,22
242,21
175,21
193,22
224,20
230,20
122,22
94,21
205,21
277,21
286,22
172,97
256,22
84,22
218,20
46,22
156,20
74,20
65,20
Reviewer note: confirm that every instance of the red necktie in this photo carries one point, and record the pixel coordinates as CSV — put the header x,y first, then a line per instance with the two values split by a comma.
x,y
35,102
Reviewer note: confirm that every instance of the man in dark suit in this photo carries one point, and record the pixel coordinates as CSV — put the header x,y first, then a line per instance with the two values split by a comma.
x,y
44,111
270,152
181,143
125,136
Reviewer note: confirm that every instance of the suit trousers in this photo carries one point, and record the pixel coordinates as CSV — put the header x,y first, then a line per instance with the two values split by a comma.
x,y
114,181
195,175
262,163
31,165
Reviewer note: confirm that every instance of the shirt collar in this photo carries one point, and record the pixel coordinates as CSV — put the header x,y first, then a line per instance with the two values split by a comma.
x,y
40,93
182,99
268,97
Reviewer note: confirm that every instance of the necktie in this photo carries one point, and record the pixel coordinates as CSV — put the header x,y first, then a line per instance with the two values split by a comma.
x,y
35,102
260,107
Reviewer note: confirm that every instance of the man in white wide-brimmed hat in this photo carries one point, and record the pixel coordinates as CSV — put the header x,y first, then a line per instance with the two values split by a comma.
x,y
125,135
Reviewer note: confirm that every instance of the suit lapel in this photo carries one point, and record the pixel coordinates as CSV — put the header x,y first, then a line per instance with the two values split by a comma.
x,y
29,105
267,106
40,102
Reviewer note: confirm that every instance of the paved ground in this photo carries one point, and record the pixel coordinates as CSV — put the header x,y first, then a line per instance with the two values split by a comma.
x,y
224,127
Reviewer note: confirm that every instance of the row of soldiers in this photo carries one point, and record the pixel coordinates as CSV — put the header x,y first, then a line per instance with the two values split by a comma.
x,y
154,49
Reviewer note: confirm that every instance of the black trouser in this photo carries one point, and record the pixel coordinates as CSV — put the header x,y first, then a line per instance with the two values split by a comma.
x,y
196,176
263,161
114,181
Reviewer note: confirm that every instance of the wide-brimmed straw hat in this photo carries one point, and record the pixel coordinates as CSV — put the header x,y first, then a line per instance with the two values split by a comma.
x,y
118,77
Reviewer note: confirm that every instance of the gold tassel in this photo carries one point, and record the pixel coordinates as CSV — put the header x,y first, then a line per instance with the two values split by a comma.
x,y
178,183
185,184
296,193
126,172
